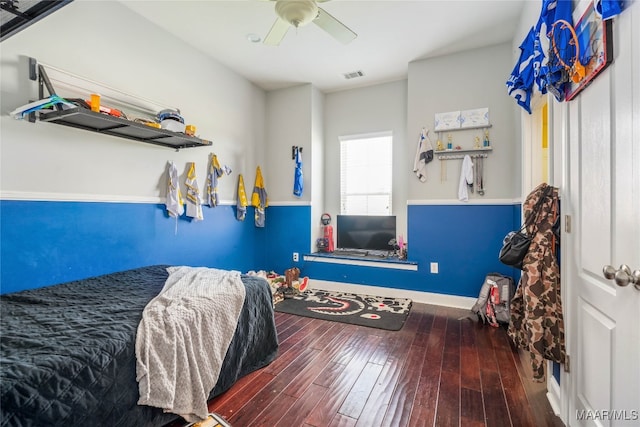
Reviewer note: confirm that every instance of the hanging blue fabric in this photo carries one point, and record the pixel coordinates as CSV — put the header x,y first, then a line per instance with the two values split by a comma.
x,y
607,9
553,75
520,83
298,182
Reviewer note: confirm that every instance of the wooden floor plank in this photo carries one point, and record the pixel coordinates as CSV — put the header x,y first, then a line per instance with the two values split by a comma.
x,y
471,407
399,410
339,389
271,392
302,340
376,406
228,407
495,406
448,412
359,394
329,374
342,421
296,415
451,356
440,369
469,357
516,397
310,372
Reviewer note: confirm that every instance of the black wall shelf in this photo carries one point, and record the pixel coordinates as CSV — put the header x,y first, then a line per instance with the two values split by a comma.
x,y
82,118
93,121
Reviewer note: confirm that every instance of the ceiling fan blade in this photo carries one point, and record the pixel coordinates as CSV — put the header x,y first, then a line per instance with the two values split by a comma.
x,y
276,33
331,25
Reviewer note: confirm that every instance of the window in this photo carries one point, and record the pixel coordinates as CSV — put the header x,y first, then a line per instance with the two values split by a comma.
x,y
365,174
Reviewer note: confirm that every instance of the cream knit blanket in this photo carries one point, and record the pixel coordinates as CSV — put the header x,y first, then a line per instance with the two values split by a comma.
x,y
183,338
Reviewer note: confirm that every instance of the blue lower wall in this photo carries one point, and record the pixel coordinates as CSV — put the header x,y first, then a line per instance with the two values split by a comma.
x,y
45,243
463,239
288,231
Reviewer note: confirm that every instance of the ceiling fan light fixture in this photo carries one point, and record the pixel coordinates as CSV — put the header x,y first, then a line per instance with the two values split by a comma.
x,y
254,38
297,12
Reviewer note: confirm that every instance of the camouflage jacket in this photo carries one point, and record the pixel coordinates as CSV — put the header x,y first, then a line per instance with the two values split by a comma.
x,y
536,323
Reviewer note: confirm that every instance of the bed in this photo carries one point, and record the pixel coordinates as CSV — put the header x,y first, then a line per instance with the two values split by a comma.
x,y
67,352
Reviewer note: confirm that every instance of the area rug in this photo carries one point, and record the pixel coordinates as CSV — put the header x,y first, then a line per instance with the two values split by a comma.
x,y
363,310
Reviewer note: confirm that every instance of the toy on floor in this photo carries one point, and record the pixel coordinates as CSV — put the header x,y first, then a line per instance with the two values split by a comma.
x,y
212,420
291,285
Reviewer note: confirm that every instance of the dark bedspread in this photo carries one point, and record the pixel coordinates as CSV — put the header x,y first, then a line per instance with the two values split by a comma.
x,y
67,352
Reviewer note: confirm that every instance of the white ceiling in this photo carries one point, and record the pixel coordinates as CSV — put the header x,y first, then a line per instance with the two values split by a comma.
x,y
391,33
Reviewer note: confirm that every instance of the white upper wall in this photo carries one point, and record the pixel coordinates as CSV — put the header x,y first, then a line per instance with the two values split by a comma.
x,y
464,81
316,162
289,123
107,43
365,110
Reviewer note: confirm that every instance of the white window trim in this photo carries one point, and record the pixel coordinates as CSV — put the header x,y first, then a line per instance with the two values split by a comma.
x,y
371,135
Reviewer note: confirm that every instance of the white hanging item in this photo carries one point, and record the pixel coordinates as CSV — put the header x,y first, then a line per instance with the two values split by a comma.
x,y
174,202
466,179
424,155
194,202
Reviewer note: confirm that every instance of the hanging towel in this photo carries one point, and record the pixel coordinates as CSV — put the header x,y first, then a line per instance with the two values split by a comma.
x,y
241,206
194,202
211,189
174,203
298,181
259,199
466,179
424,155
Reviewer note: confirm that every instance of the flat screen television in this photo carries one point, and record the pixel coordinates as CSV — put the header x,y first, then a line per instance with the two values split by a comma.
x,y
365,231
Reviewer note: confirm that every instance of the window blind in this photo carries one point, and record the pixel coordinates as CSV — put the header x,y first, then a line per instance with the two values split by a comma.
x,y
366,175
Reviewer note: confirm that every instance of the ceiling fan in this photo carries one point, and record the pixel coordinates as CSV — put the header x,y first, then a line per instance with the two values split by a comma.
x,y
298,13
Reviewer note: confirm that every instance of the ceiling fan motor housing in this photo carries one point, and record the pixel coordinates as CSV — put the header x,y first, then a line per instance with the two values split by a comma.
x,y
297,12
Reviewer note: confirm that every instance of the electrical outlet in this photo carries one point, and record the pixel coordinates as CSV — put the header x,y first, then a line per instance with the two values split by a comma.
x,y
296,257
434,267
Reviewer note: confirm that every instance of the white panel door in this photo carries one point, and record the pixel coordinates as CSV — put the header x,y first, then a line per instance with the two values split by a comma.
x,y
604,195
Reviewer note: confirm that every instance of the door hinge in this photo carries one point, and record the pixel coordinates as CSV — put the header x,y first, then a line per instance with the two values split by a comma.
x,y
567,363
567,223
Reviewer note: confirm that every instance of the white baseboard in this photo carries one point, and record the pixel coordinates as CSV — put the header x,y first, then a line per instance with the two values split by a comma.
x,y
416,296
553,390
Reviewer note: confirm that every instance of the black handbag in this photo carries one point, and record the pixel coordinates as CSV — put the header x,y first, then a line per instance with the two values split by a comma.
x,y
514,247
516,243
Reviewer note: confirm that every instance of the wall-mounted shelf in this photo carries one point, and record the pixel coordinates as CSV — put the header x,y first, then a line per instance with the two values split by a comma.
x,y
471,150
82,118
93,121
459,154
463,128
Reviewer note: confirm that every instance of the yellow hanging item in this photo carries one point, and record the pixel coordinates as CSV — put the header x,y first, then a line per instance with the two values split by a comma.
x,y
259,199
194,202
241,206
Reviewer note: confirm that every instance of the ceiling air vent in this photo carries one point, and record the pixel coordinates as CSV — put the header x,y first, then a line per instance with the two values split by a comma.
x,y
353,74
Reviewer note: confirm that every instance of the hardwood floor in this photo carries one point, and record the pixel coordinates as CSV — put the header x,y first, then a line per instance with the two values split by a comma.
x,y
436,371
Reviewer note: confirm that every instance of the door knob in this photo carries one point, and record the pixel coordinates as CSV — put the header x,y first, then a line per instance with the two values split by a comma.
x,y
622,276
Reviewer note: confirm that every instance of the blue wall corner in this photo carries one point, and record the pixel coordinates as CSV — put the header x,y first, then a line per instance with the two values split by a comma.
x,y
287,231
463,239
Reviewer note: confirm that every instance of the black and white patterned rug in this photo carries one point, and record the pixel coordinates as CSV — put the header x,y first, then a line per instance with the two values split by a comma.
x,y
363,310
